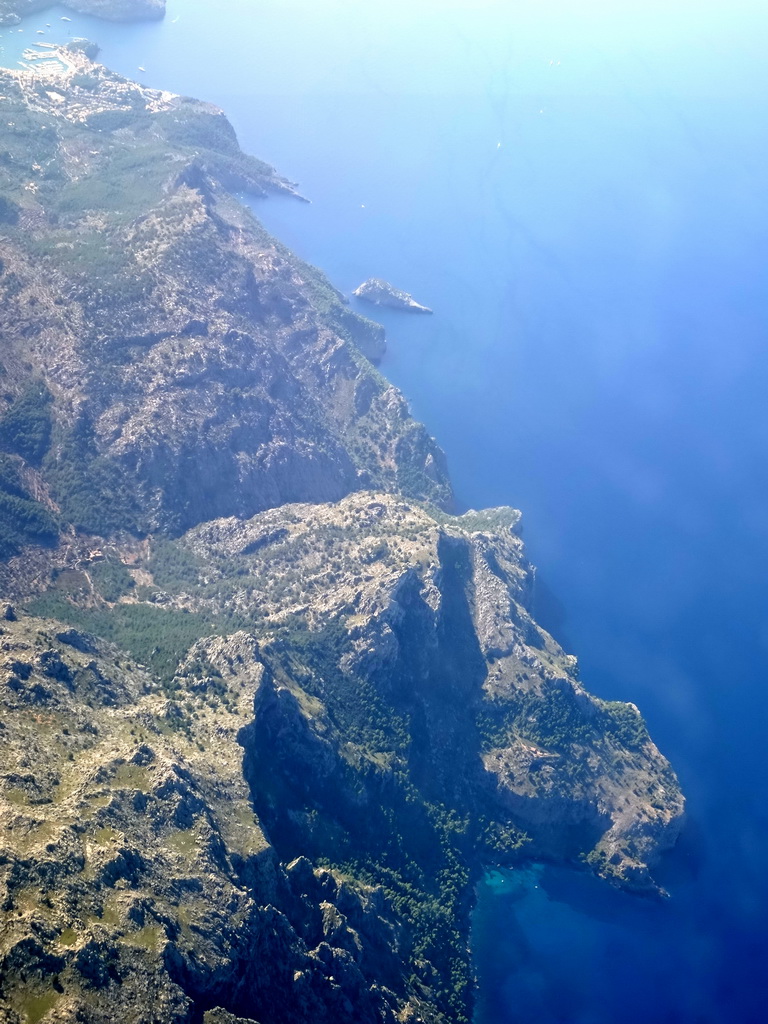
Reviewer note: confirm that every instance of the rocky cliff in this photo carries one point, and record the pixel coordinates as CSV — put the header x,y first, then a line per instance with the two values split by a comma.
x,y
268,707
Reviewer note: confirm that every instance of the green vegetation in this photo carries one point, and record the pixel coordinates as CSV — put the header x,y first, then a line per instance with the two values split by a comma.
x,y
10,476
88,82
36,1005
68,937
25,428
112,579
23,522
28,132
190,127
502,840
132,154
155,637
92,491
555,722
86,46
442,970
9,211
172,565
128,182
357,710
150,937
552,720
625,724
414,448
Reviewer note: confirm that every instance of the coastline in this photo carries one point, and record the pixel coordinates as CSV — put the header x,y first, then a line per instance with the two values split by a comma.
x,y
13,11
558,548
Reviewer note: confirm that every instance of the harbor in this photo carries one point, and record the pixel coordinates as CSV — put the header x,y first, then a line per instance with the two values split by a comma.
x,y
46,59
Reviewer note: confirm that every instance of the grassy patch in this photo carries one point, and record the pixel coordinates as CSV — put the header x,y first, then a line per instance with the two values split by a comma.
x,y
35,1007
149,937
156,637
112,579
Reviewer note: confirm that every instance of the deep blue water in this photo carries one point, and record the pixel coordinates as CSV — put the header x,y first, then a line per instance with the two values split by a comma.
x,y
579,191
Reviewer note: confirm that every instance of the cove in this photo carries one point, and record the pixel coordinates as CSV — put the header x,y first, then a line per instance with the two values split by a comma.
x,y
579,195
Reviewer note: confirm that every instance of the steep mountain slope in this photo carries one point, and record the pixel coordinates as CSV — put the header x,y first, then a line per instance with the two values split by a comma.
x,y
268,708
191,367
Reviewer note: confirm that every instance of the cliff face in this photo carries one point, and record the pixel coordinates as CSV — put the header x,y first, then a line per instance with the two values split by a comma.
x,y
287,818
423,618
268,709
138,883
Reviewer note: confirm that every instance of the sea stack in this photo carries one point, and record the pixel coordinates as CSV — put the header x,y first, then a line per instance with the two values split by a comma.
x,y
381,293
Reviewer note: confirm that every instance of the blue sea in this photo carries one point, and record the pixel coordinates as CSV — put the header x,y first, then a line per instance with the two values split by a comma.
x,y
580,191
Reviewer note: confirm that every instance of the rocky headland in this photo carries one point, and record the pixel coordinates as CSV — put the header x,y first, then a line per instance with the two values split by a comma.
x,y
269,707
381,293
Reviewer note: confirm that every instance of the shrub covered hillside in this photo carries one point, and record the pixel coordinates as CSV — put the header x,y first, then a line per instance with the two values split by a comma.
x,y
164,360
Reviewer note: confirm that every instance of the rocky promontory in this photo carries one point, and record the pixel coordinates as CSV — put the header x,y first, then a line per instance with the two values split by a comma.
x,y
381,293
273,787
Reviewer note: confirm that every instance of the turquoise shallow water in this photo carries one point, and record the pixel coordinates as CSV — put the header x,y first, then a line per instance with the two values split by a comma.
x,y
579,193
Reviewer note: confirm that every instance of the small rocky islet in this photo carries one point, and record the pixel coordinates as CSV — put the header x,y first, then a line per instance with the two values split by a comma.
x,y
382,293
268,706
